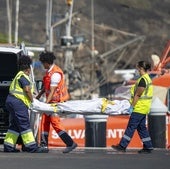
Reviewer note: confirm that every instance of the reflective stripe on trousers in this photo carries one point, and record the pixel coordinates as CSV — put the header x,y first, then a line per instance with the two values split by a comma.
x,y
137,122
19,124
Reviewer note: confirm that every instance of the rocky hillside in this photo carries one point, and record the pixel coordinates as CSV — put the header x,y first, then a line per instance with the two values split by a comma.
x,y
146,17
129,29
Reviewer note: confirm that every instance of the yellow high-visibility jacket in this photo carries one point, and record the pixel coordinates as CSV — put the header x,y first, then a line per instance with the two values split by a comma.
x,y
144,103
17,91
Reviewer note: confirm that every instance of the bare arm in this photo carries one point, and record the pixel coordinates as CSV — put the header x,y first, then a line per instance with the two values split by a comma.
x,y
40,93
27,90
52,90
137,95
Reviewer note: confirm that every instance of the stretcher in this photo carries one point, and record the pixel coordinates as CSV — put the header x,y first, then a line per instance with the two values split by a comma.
x,y
98,106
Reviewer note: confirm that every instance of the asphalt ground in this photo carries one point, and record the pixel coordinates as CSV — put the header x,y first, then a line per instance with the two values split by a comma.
x,y
86,158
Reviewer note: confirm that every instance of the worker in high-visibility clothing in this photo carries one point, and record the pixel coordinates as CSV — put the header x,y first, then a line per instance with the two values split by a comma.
x,y
141,98
17,103
55,89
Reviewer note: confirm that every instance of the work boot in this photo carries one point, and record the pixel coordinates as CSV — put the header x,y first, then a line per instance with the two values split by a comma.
x,y
119,148
44,146
41,150
12,151
145,151
44,142
70,148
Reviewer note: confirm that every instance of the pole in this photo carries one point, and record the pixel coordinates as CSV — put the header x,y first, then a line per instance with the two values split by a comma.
x,y
50,13
47,19
92,27
49,33
68,54
68,29
55,25
92,40
9,21
47,23
34,117
51,39
16,22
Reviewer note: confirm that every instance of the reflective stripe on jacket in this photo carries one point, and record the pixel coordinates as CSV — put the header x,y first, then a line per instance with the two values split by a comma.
x,y
61,93
17,91
144,103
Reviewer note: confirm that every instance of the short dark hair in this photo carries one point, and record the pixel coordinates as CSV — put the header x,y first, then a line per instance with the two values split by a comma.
x,y
145,65
47,57
24,62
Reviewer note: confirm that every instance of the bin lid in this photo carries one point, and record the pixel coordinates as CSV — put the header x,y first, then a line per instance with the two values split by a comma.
x,y
158,107
96,118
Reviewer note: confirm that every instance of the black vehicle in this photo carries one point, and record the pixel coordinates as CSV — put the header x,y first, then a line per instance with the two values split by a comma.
x,y
8,69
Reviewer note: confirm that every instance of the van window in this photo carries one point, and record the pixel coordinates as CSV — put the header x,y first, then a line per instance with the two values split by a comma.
x,y
8,67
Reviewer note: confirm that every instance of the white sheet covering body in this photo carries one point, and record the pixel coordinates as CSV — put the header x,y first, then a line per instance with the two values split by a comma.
x,y
83,107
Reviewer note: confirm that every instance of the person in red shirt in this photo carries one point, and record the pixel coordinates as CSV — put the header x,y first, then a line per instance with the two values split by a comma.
x,y
55,89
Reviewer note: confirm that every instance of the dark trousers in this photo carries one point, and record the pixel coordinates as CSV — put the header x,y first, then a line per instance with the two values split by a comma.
x,y
137,122
18,119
